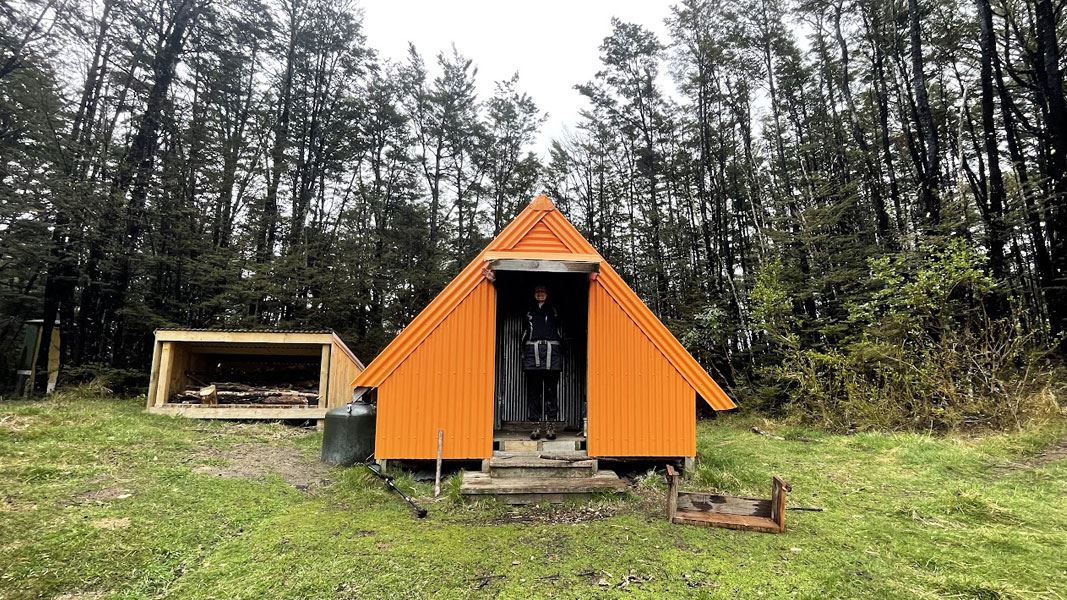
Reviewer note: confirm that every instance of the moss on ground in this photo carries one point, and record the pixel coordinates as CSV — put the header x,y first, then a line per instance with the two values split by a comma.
x,y
100,500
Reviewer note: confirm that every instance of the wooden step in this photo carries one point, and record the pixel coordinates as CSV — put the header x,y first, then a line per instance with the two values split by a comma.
x,y
528,445
533,490
536,467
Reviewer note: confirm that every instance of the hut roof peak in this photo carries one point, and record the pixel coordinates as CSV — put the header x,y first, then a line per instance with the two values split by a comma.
x,y
542,202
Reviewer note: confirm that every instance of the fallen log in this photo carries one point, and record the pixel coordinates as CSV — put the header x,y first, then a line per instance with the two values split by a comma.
x,y
303,386
209,395
282,400
266,392
246,394
185,398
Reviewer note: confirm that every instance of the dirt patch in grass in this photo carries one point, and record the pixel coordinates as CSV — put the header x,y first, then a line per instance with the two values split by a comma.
x,y
81,596
103,496
650,500
14,504
255,430
255,461
14,423
1055,452
112,523
555,515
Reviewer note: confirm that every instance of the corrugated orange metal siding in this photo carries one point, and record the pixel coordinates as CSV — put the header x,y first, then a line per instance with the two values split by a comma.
x,y
639,405
445,383
540,239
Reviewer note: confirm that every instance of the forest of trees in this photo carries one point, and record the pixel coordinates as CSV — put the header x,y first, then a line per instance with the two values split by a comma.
x,y
851,209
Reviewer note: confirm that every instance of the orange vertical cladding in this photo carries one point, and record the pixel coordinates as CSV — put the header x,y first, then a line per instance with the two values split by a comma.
x,y
638,402
445,383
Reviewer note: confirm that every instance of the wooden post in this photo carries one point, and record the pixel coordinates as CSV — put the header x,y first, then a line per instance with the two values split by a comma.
x,y
166,376
778,490
437,476
53,361
672,493
325,385
153,378
324,378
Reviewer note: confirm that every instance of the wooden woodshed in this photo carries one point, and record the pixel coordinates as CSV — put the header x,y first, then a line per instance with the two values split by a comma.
x,y
455,367
246,374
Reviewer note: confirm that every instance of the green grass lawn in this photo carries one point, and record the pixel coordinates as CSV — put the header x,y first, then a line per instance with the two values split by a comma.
x,y
98,500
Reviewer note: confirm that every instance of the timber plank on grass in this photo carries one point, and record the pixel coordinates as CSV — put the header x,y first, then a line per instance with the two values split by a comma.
x,y
717,510
726,520
475,483
755,507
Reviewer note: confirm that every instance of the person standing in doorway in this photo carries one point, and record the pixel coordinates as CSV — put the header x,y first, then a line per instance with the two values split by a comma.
x,y
543,362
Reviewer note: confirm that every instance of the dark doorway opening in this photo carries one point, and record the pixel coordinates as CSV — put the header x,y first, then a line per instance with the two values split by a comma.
x,y
570,293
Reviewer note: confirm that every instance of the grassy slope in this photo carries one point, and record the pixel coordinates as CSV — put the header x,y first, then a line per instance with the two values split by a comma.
x,y
99,499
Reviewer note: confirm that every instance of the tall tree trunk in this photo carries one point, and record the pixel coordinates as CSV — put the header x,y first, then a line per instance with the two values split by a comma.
x,y
930,169
870,161
795,244
61,275
873,23
267,230
996,231
136,169
1050,81
1042,261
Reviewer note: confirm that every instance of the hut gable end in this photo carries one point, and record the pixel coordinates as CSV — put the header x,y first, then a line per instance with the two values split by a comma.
x,y
539,229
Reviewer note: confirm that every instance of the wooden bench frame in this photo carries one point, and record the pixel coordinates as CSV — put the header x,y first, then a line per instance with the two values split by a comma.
x,y
715,510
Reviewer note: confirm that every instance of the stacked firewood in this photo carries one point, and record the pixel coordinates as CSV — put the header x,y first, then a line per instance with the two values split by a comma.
x,y
240,393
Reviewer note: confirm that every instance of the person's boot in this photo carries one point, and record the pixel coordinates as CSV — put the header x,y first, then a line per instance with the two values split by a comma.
x,y
535,434
550,433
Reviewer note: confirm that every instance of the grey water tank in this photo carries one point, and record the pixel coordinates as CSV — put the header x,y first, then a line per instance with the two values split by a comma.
x,y
348,437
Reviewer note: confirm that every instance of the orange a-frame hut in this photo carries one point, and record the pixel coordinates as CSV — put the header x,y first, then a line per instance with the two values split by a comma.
x,y
456,367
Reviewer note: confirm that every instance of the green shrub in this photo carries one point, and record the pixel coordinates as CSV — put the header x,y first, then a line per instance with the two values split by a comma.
x,y
100,376
920,353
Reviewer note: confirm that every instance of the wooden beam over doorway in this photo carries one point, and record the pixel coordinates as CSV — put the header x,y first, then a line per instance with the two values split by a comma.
x,y
543,262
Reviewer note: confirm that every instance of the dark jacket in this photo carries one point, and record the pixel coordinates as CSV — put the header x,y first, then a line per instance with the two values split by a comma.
x,y
542,338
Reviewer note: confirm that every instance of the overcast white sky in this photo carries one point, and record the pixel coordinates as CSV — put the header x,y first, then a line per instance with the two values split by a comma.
x,y
553,44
